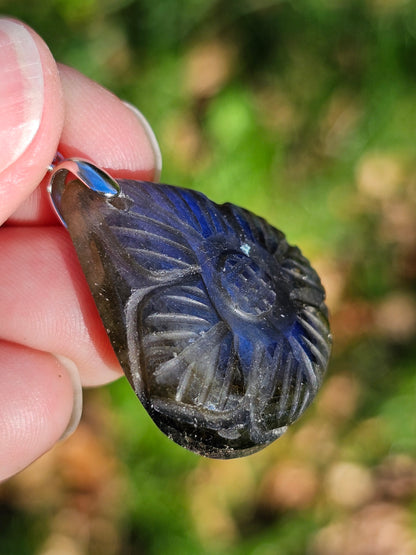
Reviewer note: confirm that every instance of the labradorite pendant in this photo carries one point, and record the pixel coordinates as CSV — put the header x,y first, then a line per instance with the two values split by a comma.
x,y
218,323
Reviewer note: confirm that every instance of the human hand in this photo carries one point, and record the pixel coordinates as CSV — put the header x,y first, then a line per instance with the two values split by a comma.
x,y
51,337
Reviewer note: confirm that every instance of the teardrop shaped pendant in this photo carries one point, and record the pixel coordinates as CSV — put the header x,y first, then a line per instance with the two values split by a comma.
x,y
218,323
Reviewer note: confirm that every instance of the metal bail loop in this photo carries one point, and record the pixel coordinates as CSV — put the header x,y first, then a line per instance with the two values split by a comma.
x,y
90,175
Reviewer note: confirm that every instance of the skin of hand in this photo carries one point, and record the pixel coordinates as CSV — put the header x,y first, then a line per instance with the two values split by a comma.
x,y
52,340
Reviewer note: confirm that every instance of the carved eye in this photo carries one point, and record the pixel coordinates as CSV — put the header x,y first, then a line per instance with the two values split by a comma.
x,y
219,325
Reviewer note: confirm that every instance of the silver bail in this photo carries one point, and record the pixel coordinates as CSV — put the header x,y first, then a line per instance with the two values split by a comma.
x,y
64,170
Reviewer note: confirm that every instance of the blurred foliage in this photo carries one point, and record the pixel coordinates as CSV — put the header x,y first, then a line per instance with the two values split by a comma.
x,y
303,111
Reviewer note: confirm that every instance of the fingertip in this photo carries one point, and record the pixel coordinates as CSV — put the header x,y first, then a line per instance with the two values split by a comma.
x,y
103,129
151,137
36,403
31,98
76,412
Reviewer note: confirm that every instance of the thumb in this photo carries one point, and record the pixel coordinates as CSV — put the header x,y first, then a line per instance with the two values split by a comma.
x,y
31,112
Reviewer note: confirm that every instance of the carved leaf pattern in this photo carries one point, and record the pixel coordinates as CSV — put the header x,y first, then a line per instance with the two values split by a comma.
x,y
230,332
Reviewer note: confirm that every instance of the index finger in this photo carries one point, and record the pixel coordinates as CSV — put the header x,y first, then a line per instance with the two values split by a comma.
x,y
101,128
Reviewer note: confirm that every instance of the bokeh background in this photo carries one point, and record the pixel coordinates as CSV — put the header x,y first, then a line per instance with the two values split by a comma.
x,y
305,112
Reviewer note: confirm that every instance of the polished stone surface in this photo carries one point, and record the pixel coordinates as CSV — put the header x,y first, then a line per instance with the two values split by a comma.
x,y
219,324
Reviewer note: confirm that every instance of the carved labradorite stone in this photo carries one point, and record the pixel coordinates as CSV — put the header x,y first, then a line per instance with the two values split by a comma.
x,y
219,324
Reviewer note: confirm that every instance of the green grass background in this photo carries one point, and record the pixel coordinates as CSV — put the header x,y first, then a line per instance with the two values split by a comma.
x,y
305,112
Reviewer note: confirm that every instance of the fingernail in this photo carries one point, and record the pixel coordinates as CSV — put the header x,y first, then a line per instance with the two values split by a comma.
x,y
76,385
21,90
152,139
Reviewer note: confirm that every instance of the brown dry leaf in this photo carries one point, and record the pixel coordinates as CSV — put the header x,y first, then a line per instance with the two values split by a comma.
x,y
276,109
38,486
395,317
379,176
72,533
63,545
182,137
290,484
80,483
334,275
315,441
349,485
86,518
339,122
209,66
378,529
84,463
69,533
396,478
398,222
352,320
338,398
213,523
216,487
